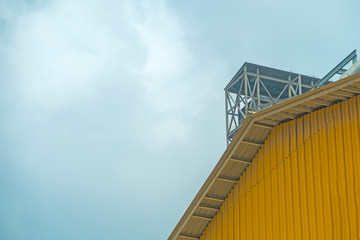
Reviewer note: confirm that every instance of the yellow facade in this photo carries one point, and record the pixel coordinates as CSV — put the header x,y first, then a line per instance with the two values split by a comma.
x,y
304,183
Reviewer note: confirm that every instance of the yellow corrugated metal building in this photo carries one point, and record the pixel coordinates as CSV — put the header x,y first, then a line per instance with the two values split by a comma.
x,y
291,172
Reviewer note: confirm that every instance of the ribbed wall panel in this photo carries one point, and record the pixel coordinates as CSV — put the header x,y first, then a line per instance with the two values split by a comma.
x,y
304,183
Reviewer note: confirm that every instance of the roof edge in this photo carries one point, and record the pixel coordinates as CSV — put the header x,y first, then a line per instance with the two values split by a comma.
x,y
213,175
241,133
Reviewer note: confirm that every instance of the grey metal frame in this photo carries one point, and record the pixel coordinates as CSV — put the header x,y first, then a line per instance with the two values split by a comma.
x,y
256,87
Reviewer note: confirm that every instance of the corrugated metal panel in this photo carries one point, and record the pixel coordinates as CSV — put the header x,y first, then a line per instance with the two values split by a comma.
x,y
246,144
303,183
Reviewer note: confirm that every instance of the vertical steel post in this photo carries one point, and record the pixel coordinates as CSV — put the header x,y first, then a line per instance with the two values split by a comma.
x,y
289,86
246,90
258,89
227,117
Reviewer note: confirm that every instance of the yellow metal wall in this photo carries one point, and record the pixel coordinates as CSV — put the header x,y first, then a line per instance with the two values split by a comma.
x,y
304,183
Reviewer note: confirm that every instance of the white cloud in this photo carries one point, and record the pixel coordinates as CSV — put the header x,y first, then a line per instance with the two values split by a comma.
x,y
63,52
58,54
164,74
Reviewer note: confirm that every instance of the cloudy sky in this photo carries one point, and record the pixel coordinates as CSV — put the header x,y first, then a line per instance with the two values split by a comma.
x,y
112,112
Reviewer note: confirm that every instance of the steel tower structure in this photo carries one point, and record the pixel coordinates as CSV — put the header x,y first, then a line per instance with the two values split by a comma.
x,y
255,87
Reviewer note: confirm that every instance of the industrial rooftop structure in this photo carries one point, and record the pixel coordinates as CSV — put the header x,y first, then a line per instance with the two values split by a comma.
x,y
245,144
259,99
255,87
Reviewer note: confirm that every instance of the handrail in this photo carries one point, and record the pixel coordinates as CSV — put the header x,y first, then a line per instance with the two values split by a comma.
x,y
338,69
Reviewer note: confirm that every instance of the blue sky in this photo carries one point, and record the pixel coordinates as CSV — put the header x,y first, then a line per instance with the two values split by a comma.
x,y
112,112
